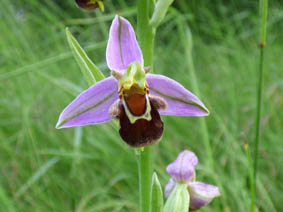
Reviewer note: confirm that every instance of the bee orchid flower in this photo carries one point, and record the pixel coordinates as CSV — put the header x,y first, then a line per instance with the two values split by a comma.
x,y
131,95
182,171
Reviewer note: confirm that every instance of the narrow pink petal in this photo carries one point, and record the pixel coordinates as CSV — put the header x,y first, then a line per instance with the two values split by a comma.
x,y
183,168
91,106
180,101
122,48
201,194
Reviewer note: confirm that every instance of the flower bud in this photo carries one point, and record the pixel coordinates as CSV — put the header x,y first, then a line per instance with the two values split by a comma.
x,y
179,199
156,195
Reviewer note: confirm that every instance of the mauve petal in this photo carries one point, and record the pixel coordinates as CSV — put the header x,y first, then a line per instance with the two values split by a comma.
x,y
91,106
122,48
169,187
180,101
201,194
183,168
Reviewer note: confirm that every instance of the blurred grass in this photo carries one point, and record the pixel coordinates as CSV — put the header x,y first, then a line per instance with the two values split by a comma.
x,y
91,169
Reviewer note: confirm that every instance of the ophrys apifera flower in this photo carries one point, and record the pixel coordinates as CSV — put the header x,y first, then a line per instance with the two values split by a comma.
x,y
131,95
182,171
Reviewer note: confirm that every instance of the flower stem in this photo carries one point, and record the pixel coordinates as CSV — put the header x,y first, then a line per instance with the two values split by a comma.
x,y
145,174
264,9
145,31
146,40
251,175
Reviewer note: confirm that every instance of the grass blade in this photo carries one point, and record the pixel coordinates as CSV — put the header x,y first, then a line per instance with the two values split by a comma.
x,y
90,71
37,175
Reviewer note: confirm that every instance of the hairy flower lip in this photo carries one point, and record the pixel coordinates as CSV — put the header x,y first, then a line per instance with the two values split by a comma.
x,y
132,117
141,132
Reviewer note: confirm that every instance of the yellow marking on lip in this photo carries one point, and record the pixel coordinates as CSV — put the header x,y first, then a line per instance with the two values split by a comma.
x,y
133,118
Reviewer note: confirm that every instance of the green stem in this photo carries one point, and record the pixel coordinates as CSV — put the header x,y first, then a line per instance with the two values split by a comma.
x,y
145,174
251,175
145,32
146,40
264,9
257,128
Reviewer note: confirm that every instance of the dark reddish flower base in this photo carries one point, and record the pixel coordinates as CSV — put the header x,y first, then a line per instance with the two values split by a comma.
x,y
142,132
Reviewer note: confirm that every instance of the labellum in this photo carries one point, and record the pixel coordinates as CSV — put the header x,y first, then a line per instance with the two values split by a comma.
x,y
137,112
90,5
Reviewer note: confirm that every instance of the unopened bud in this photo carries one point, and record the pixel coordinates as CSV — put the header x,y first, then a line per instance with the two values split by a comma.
x,y
156,195
179,199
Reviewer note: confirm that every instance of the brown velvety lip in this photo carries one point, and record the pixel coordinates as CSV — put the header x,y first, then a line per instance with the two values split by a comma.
x,y
142,132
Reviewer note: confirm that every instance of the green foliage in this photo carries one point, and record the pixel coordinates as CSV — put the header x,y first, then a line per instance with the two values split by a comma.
x,y
93,169
156,195
160,10
88,68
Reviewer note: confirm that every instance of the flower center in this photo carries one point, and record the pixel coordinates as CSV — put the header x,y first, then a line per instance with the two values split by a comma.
x,y
137,106
135,99
133,92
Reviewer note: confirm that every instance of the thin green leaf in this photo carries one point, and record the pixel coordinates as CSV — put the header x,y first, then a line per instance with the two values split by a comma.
x,y
37,175
156,195
90,71
160,11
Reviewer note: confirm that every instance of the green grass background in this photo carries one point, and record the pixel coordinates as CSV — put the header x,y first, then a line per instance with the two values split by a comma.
x,y
90,168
